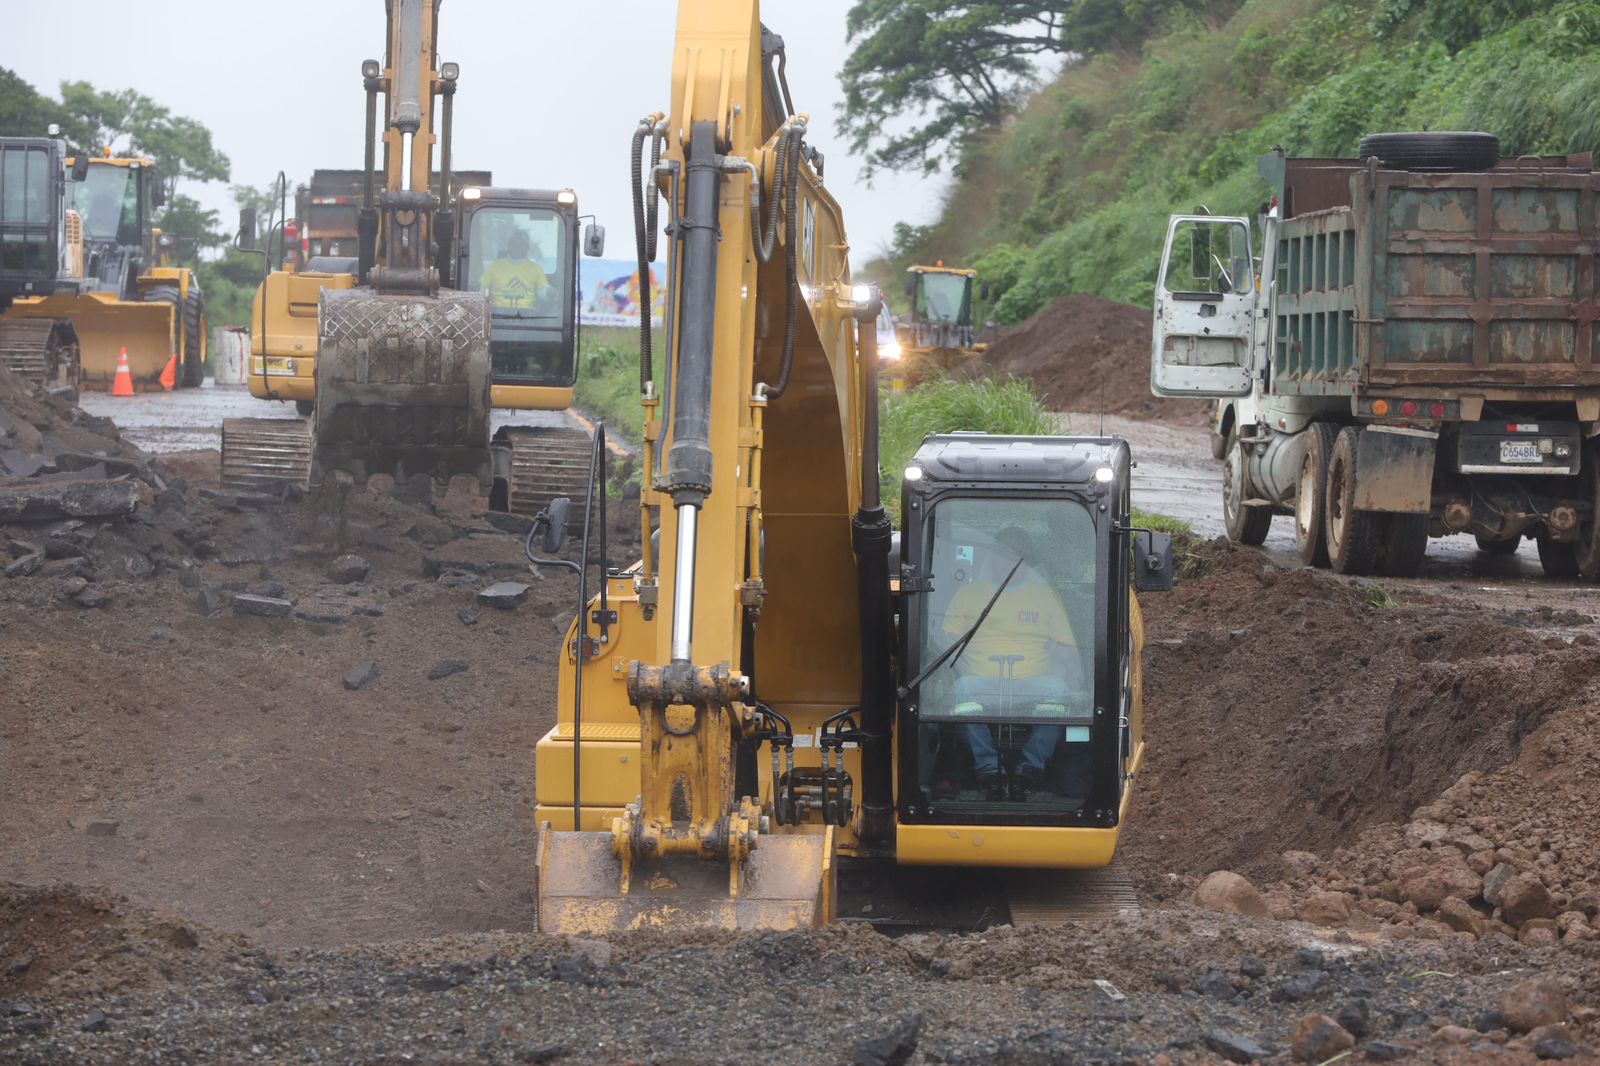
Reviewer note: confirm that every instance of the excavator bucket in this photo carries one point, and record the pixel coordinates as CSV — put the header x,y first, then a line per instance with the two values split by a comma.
x,y
787,883
402,385
105,327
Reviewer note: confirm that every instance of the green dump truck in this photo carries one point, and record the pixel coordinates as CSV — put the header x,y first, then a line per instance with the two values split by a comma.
x,y
1410,353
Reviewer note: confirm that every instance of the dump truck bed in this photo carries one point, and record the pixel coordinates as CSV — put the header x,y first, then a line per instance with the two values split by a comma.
x,y
1435,284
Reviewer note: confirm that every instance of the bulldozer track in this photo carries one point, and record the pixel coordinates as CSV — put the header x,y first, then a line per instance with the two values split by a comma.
x,y
265,451
31,349
546,463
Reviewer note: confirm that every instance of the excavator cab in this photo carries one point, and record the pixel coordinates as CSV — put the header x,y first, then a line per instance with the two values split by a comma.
x,y
1017,644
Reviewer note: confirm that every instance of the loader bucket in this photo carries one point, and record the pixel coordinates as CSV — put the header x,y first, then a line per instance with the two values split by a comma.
x,y
402,385
787,883
105,326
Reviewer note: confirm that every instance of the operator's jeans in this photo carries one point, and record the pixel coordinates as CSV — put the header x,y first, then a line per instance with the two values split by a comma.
x,y
1026,692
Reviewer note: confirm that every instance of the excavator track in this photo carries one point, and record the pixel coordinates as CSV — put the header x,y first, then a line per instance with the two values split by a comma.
x,y
258,452
40,350
546,463
912,898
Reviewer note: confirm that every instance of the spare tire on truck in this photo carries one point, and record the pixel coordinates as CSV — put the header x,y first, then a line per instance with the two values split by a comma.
x,y
1432,151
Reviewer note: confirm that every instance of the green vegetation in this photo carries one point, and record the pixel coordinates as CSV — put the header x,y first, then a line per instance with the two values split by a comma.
x,y
608,381
1004,405
1161,523
1071,191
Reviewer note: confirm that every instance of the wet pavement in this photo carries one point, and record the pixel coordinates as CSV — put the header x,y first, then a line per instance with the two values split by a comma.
x,y
188,419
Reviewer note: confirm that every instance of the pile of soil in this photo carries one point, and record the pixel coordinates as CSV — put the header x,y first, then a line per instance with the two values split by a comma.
x,y
1415,747
1083,352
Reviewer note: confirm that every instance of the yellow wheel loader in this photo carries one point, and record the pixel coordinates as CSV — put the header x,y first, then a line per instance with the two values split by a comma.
x,y
785,697
85,277
939,331
458,300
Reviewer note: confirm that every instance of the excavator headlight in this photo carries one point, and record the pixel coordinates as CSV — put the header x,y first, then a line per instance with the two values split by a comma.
x,y
1104,475
861,296
370,68
567,197
472,194
913,473
449,71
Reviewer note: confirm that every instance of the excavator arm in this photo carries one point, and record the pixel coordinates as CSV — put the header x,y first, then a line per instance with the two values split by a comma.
x,y
741,645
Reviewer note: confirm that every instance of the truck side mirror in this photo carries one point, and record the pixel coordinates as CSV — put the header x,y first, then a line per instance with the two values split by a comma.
x,y
594,241
1152,561
911,286
158,193
247,229
983,291
80,167
554,519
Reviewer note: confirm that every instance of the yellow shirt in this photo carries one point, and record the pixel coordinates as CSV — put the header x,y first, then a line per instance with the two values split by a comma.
x,y
1027,620
514,285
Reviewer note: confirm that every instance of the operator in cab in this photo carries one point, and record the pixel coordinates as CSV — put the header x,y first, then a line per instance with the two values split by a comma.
x,y
515,282
1022,662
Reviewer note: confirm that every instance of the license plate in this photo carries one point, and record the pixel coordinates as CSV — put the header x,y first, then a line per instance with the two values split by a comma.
x,y
1519,451
280,366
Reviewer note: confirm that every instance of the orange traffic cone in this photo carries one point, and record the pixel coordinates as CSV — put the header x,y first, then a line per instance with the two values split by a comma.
x,y
123,385
169,376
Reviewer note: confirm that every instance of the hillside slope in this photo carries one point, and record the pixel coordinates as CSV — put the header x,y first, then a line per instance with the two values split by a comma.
x,y
1072,195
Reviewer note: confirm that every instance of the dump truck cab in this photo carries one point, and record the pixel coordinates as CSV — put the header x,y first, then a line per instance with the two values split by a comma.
x,y
1020,719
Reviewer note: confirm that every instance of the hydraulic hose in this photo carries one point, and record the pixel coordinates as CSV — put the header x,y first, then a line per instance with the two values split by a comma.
x,y
787,182
645,217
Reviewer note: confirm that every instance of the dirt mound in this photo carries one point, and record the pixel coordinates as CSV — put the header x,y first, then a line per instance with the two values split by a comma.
x,y
1082,351
1290,711
69,941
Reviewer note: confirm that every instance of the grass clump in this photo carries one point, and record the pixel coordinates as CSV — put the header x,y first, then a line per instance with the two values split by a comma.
x,y
992,405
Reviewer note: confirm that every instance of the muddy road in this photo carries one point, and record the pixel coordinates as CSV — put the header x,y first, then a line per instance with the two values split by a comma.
x,y
306,859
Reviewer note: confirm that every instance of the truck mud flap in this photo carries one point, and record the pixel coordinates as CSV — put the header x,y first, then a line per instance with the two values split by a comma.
x,y
787,883
1395,469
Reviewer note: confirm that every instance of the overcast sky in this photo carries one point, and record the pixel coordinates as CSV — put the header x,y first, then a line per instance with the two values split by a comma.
x,y
550,91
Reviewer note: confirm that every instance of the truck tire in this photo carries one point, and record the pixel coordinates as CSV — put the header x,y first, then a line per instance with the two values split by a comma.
x,y
1559,558
1245,525
1588,545
1507,546
1432,151
1311,488
1403,544
1353,535
194,338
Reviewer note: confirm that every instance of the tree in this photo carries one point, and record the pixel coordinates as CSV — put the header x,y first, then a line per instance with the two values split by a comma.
x,y
129,122
958,67
23,112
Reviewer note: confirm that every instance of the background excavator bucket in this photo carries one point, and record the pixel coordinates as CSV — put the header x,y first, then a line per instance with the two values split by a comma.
x,y
402,385
787,883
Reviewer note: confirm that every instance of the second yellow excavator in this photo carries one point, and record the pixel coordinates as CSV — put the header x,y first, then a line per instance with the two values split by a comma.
x,y
784,685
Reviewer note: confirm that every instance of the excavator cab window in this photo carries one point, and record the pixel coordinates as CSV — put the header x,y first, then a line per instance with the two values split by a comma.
x,y
1005,722
521,258
28,184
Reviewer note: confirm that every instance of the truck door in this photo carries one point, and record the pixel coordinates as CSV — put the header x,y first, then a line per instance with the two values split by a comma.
x,y
1205,298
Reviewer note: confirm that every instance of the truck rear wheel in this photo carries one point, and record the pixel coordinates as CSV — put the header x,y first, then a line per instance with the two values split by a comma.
x,y
1497,547
1559,558
1432,151
1309,504
1245,525
1352,534
1404,543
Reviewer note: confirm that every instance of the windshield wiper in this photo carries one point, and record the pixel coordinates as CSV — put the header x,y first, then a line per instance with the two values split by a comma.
x,y
959,645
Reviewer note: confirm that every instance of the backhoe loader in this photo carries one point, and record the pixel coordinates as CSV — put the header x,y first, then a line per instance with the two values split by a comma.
x,y
85,276
399,352
783,696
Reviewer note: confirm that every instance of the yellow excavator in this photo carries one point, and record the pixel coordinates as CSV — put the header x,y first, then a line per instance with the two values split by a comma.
x,y
86,277
785,689
938,333
458,300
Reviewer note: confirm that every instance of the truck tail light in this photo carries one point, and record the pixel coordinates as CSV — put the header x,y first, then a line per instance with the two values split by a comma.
x,y
1408,407
1436,410
1380,407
